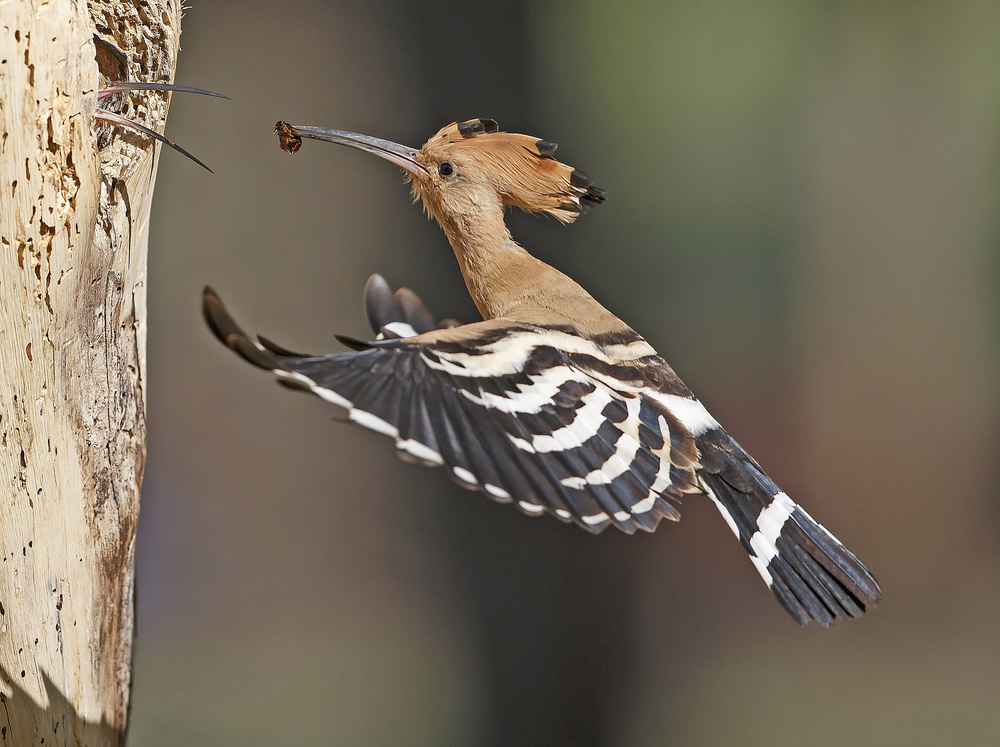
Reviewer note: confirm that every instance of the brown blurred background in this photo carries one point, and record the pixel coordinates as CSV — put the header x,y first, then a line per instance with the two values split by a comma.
x,y
802,217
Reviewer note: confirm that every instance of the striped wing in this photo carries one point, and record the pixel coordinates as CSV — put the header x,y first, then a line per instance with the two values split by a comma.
x,y
507,411
594,432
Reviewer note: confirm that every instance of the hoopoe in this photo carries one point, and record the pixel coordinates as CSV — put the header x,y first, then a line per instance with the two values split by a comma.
x,y
551,403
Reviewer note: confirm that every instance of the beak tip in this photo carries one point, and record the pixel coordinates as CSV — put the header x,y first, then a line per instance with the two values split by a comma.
x,y
290,139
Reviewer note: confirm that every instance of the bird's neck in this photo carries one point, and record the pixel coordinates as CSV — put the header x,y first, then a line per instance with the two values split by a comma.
x,y
504,280
500,275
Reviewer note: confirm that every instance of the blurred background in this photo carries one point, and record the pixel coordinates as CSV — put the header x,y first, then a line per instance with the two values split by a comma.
x,y
801,216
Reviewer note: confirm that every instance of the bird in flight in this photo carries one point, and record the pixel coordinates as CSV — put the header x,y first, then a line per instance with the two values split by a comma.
x,y
551,403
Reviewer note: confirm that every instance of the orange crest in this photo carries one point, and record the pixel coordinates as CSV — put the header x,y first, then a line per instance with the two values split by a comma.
x,y
522,169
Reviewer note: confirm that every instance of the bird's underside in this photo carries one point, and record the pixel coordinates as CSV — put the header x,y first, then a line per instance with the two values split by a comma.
x,y
597,432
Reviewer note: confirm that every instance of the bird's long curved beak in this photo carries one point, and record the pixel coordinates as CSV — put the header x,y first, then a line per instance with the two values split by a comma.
x,y
401,155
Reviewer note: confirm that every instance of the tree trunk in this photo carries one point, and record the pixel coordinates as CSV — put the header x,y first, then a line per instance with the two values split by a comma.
x,y
74,218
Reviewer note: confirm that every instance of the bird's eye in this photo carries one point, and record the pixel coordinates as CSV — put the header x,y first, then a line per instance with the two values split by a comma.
x,y
445,168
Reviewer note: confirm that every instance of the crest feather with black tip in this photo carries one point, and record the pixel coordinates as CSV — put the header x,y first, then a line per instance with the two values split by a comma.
x,y
522,168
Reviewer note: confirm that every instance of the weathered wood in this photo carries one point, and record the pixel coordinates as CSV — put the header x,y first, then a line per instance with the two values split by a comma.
x,y
74,216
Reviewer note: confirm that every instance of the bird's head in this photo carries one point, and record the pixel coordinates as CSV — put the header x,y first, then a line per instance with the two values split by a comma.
x,y
469,167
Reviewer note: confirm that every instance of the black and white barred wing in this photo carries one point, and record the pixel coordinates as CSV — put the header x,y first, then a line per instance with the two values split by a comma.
x,y
505,412
596,434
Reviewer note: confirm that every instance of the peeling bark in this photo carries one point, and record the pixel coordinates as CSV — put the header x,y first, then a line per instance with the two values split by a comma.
x,y
74,216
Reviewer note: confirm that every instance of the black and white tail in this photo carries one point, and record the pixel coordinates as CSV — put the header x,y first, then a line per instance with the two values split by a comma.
x,y
810,572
